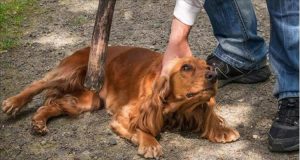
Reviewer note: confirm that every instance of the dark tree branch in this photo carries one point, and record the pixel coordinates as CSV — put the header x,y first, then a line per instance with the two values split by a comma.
x,y
94,79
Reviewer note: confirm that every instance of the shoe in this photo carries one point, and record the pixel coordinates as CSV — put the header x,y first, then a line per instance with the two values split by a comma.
x,y
229,74
284,133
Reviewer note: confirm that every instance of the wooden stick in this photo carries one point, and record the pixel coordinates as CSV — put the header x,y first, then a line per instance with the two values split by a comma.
x,y
94,79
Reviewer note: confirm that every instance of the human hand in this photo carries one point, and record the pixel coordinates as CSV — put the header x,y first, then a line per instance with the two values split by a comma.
x,y
178,45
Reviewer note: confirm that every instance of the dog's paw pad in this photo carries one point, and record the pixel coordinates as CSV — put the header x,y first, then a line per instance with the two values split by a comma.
x,y
151,151
12,105
39,128
225,135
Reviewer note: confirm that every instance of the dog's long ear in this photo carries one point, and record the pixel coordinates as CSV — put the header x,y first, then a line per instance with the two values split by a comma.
x,y
211,119
150,118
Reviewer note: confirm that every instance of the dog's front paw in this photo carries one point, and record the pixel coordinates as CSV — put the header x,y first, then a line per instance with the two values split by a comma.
x,y
224,135
153,150
39,127
12,105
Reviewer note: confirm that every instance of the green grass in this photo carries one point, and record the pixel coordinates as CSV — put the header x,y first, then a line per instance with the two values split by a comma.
x,y
12,14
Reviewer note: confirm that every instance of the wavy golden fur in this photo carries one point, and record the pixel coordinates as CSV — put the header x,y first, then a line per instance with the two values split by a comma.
x,y
141,100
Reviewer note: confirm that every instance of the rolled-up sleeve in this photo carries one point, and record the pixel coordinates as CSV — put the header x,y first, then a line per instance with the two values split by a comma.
x,y
186,11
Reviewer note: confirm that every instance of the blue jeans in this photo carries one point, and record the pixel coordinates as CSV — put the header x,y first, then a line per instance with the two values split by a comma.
x,y
235,27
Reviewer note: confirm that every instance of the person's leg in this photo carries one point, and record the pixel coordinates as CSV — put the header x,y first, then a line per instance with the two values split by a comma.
x,y
235,27
284,46
284,58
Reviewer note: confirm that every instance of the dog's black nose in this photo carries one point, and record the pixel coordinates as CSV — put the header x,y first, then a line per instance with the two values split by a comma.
x,y
211,76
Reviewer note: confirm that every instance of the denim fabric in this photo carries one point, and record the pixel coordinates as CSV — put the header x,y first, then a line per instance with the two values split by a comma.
x,y
284,46
235,27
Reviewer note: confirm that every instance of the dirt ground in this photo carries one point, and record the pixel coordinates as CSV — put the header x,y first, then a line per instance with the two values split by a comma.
x,y
62,26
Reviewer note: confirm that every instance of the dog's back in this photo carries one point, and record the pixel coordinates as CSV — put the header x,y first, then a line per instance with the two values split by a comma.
x,y
133,61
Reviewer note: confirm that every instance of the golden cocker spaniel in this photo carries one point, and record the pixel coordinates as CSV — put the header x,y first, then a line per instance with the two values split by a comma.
x,y
141,100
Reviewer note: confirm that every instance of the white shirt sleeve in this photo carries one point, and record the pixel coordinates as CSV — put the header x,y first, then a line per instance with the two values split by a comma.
x,y
187,11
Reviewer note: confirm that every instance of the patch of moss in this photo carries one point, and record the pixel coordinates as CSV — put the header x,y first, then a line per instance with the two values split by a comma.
x,y
13,13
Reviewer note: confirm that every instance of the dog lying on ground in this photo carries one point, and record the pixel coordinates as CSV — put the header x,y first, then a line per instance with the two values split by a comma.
x,y
141,100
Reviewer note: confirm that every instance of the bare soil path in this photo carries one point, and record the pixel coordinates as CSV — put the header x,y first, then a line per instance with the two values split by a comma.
x,y
62,26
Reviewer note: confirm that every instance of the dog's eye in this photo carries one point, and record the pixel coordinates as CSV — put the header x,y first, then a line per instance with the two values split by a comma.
x,y
186,67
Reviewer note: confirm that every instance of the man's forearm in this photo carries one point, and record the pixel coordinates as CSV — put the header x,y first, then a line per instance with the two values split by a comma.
x,y
178,45
179,32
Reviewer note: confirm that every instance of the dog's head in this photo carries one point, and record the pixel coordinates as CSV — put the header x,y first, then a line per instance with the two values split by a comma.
x,y
191,79
182,83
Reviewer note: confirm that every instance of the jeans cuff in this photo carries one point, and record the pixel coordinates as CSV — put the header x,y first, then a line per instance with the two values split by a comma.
x,y
287,95
232,60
